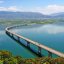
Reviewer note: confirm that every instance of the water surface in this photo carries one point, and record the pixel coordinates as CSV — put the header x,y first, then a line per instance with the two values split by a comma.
x,y
51,35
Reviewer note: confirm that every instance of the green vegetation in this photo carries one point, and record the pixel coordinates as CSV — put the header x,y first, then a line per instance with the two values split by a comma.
x,y
27,21
7,58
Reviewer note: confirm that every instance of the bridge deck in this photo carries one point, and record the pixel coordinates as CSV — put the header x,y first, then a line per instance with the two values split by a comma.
x,y
37,44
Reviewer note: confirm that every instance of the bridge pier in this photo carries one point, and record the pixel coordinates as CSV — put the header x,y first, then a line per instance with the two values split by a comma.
x,y
49,54
39,51
18,38
12,35
28,44
7,33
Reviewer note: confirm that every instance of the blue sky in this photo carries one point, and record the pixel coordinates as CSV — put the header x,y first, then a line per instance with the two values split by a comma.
x,y
42,6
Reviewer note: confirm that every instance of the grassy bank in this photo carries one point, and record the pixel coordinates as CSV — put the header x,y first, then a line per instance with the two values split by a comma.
x,y
7,57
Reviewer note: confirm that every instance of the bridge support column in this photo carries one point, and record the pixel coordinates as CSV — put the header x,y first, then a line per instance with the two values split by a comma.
x,y
12,35
39,51
28,44
49,54
6,32
18,38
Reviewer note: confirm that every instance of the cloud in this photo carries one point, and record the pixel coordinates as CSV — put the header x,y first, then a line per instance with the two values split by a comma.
x,y
53,9
11,8
2,9
50,9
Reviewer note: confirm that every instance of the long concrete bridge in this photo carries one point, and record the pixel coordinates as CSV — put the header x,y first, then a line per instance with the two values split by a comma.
x,y
40,46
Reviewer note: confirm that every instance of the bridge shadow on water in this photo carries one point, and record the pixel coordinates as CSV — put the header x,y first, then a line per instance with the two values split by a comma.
x,y
34,52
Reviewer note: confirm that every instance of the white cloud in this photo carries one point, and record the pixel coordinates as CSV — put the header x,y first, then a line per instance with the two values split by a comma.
x,y
11,8
50,9
45,10
53,9
2,9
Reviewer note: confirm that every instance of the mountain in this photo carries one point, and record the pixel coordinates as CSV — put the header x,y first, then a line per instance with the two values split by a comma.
x,y
29,15
21,15
57,15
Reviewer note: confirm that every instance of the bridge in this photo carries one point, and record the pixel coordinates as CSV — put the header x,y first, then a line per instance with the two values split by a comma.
x,y
40,46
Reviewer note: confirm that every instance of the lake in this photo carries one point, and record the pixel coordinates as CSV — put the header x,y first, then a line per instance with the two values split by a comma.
x,y
51,35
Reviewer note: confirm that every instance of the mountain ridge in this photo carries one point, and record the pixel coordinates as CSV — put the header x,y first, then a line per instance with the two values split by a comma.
x,y
28,15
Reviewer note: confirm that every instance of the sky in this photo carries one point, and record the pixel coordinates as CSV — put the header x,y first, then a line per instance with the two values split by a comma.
x,y
43,6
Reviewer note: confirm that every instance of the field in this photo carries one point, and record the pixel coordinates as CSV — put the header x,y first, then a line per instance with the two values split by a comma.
x,y
28,21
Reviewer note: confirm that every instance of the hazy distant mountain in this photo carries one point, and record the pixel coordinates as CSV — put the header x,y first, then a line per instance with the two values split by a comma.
x,y
58,15
28,15
21,15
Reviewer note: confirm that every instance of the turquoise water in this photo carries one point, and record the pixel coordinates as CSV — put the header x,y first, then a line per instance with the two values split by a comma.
x,y
6,43
51,35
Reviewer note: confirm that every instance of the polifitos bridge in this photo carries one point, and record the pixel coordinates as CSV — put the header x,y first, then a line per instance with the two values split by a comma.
x,y
40,46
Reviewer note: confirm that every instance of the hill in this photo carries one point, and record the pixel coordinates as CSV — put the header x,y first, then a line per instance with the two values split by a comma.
x,y
29,15
21,15
57,15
